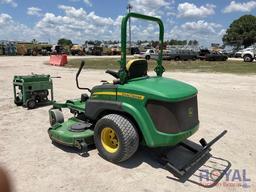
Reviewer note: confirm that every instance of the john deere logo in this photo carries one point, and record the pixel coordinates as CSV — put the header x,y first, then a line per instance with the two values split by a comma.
x,y
190,112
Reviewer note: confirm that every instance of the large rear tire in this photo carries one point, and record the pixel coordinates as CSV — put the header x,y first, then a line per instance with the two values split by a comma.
x,y
116,138
248,58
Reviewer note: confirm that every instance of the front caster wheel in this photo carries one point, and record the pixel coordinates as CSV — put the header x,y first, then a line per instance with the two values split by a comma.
x,y
55,116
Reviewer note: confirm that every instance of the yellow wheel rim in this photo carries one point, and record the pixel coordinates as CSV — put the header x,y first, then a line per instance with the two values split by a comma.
x,y
109,140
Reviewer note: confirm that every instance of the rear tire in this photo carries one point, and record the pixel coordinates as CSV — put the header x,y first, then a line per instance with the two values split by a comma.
x,y
248,58
115,138
177,58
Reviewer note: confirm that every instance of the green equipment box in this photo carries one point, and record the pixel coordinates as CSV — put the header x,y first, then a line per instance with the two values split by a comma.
x,y
32,90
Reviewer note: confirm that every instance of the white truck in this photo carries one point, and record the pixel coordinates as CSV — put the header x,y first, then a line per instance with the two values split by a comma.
x,y
148,54
249,55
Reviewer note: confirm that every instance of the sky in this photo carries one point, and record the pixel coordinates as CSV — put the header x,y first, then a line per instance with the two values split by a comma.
x,y
80,20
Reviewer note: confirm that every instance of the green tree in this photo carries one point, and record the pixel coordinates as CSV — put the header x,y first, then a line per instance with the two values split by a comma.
x,y
241,32
34,41
177,42
184,42
195,43
65,42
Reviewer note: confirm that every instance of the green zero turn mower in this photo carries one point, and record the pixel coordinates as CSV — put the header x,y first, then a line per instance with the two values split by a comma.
x,y
135,109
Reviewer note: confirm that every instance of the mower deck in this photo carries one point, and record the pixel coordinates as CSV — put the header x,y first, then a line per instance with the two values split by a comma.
x,y
74,104
72,132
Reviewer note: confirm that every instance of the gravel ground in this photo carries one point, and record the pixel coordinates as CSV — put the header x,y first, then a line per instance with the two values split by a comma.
x,y
34,164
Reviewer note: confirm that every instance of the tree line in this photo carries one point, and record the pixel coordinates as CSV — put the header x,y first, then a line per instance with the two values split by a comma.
x,y
241,32
68,42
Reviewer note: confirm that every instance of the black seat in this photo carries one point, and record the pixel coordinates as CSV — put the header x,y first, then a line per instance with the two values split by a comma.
x,y
137,68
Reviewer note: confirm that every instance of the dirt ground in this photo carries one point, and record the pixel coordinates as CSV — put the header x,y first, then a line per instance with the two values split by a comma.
x,y
35,164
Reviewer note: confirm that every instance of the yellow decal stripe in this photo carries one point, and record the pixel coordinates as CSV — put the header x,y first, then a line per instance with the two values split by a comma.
x,y
104,93
122,94
131,95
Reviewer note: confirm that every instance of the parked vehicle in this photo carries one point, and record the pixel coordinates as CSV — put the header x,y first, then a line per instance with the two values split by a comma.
x,y
8,48
115,50
57,49
30,48
46,51
238,54
1,49
166,55
249,55
181,54
205,54
96,50
77,50
216,56
202,54
106,50
135,50
228,53
148,54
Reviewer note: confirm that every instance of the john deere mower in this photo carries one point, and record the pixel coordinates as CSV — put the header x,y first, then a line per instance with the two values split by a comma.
x,y
134,109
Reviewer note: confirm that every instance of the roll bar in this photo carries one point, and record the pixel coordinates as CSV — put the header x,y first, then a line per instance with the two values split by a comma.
x,y
159,69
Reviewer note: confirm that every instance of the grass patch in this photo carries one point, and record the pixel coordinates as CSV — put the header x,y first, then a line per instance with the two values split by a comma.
x,y
236,67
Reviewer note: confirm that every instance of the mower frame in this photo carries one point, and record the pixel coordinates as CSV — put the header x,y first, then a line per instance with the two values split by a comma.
x,y
132,106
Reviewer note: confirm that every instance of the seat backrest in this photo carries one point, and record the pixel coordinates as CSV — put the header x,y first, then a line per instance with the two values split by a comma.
x,y
137,68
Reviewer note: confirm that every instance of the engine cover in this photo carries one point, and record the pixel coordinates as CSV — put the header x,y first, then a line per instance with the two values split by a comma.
x,y
174,117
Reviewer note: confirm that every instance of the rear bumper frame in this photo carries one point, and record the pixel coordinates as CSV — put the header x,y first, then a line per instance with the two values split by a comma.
x,y
199,155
